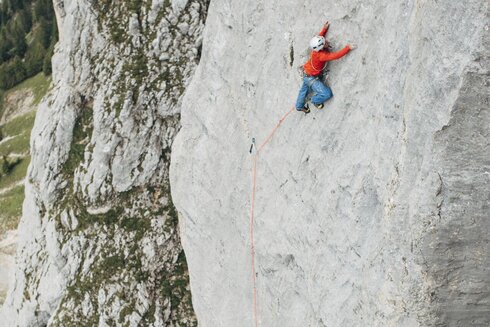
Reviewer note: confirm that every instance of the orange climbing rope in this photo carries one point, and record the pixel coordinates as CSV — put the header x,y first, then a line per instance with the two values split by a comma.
x,y
252,211
252,248
267,140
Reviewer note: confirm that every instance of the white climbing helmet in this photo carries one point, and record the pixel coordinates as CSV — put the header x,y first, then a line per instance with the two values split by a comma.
x,y
317,43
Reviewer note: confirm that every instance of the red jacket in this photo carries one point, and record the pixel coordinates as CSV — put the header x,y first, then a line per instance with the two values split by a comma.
x,y
317,61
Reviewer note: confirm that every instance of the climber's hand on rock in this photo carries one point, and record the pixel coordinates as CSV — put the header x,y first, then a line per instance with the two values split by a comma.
x,y
352,46
327,24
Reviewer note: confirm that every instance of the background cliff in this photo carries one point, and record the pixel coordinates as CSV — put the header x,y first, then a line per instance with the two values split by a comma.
x,y
371,212
98,241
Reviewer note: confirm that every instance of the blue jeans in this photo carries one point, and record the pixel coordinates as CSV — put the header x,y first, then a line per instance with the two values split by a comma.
x,y
321,92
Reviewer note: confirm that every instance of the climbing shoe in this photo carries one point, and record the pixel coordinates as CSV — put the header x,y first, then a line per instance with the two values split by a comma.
x,y
305,109
319,106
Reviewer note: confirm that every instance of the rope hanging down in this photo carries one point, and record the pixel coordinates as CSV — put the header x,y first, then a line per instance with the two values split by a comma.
x,y
252,209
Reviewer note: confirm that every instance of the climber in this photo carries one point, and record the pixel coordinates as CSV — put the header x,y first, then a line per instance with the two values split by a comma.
x,y
312,71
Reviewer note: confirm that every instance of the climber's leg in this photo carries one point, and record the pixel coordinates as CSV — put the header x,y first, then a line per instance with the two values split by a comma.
x,y
322,92
303,92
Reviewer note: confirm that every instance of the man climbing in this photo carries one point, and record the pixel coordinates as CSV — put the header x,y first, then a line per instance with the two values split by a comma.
x,y
313,69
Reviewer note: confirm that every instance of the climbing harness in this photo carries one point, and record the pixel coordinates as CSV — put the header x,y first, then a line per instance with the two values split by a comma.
x,y
313,80
252,208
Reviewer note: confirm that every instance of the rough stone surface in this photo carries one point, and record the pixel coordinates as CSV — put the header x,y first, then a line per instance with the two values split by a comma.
x,y
371,212
98,240
455,252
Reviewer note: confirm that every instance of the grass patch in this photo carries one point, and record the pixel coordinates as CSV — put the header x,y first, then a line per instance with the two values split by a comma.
x,y
82,131
19,124
110,267
11,204
17,174
19,144
86,220
38,84
2,94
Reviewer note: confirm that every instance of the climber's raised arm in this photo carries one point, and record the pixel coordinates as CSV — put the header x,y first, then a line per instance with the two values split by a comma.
x,y
324,30
327,56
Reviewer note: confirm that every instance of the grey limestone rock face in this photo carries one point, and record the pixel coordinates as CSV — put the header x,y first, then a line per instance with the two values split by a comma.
x,y
455,251
98,239
370,212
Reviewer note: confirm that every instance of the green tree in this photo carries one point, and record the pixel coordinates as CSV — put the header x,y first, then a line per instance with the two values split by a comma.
x,y
4,16
22,56
7,165
43,9
20,47
34,59
47,68
43,33
4,167
16,33
5,46
25,18
11,73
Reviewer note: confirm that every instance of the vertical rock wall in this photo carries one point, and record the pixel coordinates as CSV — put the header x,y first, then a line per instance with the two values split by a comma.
x,y
370,212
